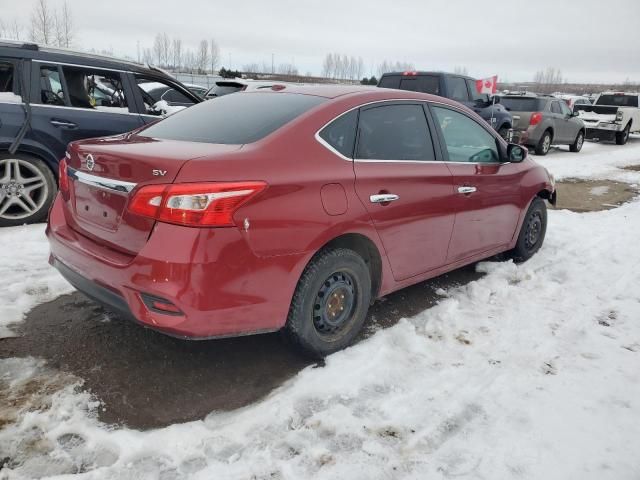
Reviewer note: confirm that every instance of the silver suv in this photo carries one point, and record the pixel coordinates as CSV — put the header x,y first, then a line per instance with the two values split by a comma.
x,y
539,121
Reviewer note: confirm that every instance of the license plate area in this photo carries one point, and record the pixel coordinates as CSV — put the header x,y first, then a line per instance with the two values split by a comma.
x,y
98,206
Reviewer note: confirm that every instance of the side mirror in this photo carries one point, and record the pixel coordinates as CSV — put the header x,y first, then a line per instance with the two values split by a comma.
x,y
495,99
516,153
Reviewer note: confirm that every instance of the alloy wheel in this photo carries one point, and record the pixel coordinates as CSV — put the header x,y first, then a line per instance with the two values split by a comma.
x,y
23,189
546,144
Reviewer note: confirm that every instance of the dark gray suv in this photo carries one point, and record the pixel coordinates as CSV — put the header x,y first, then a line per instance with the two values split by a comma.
x,y
50,97
540,121
456,87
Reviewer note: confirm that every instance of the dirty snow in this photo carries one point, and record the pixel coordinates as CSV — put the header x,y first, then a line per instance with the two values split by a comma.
x,y
531,372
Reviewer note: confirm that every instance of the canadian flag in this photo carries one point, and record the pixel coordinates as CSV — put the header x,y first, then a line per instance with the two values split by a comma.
x,y
487,85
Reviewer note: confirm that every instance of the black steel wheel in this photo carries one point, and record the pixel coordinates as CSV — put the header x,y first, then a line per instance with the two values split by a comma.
x,y
330,303
532,232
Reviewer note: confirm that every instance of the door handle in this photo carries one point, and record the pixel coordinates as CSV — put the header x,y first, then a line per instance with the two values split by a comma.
x,y
63,124
383,198
466,190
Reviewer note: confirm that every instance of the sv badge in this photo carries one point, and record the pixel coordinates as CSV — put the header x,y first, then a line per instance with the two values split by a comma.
x,y
159,173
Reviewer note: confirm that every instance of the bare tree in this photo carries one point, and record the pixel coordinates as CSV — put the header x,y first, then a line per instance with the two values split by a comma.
x,y
287,69
63,24
202,57
161,49
15,29
461,70
251,68
42,23
176,49
214,54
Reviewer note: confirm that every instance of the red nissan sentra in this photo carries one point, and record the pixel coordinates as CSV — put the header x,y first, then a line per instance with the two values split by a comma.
x,y
290,209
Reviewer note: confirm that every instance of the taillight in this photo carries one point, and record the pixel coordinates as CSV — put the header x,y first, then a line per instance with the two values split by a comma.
x,y
63,178
194,204
536,118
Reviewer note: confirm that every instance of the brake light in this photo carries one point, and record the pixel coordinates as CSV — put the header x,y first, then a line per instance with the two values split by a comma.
x,y
536,118
63,178
409,74
194,204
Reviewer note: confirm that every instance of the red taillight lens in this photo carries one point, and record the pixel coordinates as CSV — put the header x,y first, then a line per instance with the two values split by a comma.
x,y
194,204
536,118
63,178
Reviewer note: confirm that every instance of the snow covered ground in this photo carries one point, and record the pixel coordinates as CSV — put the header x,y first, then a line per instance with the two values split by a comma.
x,y
531,372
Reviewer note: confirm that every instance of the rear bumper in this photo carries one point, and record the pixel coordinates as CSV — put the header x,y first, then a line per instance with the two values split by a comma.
x,y
600,134
211,275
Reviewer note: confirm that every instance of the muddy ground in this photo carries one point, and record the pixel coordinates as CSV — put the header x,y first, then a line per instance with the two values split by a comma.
x,y
147,380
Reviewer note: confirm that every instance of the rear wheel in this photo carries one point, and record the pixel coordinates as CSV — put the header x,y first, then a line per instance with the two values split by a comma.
x,y
330,303
623,136
543,146
532,232
27,189
577,144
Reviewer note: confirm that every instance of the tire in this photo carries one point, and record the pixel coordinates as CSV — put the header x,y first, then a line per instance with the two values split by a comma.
x,y
532,232
27,189
576,146
542,148
623,136
321,320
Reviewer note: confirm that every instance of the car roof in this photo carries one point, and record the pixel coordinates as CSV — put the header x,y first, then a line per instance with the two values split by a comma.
x,y
34,51
416,73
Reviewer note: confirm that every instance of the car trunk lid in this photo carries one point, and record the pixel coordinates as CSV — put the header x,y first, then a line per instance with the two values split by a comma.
x,y
105,173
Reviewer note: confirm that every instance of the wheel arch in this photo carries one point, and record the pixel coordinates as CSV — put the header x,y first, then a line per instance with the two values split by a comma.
x,y
367,249
29,150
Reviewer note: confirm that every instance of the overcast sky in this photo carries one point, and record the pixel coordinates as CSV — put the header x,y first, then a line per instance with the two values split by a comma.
x,y
589,40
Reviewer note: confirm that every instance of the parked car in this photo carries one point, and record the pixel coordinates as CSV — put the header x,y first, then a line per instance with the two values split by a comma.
x,y
49,97
456,87
573,100
613,116
540,121
197,89
225,87
278,216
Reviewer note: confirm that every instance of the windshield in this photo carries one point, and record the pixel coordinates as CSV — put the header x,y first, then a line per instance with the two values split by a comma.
x,y
618,100
233,119
520,104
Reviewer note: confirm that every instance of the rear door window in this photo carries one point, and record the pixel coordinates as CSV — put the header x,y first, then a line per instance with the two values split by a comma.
x,y
457,89
95,89
465,139
341,133
394,132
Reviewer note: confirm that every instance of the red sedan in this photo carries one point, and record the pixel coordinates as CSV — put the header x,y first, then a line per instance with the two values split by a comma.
x,y
291,209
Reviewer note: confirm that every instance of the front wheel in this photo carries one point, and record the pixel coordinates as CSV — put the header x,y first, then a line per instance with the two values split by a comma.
x,y
623,136
577,144
532,232
330,303
27,189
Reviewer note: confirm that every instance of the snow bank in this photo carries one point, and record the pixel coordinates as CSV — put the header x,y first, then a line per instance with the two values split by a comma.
x,y
26,275
10,97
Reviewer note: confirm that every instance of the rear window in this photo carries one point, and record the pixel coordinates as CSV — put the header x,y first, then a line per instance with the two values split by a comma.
x,y
415,83
618,100
520,104
233,119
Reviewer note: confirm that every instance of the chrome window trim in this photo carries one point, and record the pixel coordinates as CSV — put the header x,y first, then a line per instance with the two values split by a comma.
x,y
82,109
325,144
110,184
